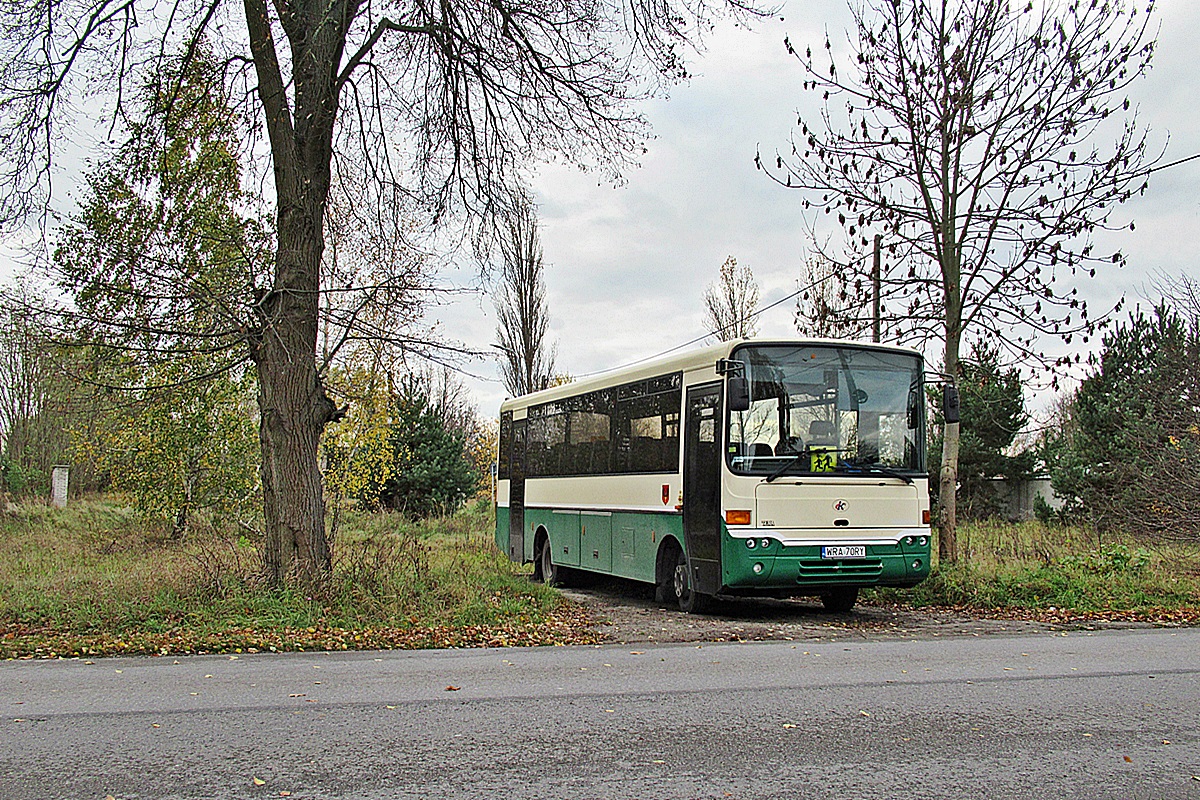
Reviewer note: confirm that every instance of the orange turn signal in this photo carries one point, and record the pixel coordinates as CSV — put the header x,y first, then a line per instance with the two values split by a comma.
x,y
737,517
925,518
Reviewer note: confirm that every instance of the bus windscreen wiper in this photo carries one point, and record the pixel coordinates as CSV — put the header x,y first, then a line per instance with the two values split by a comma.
x,y
793,461
875,469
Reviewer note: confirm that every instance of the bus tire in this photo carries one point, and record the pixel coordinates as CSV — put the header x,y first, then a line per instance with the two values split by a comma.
x,y
552,575
664,574
840,600
690,601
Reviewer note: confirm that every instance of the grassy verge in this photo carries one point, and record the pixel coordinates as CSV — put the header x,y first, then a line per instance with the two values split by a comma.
x,y
1047,572
92,580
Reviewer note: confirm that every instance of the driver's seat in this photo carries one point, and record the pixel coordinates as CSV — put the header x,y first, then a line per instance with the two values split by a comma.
x,y
821,433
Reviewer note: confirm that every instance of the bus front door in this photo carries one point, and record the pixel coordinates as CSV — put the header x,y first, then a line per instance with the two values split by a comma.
x,y
516,494
702,486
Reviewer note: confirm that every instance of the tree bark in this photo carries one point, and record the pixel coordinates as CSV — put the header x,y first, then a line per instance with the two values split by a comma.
x,y
948,477
293,405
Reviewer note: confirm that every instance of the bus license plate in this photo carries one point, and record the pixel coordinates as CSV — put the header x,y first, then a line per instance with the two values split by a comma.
x,y
844,551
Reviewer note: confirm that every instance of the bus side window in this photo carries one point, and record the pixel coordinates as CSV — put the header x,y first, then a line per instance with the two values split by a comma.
x,y
505,448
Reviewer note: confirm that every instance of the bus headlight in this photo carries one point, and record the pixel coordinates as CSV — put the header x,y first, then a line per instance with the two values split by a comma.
x,y
758,568
924,541
750,543
916,564
765,543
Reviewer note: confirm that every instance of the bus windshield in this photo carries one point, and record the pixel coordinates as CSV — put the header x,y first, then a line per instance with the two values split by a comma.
x,y
822,409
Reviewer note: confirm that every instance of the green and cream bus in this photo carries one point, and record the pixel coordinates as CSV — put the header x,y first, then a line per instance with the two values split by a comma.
x,y
752,467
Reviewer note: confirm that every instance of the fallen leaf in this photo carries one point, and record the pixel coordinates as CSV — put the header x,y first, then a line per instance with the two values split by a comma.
x,y
865,714
1166,741
635,652
259,782
453,688
1130,760
390,707
658,761
155,725
285,794
296,695
788,725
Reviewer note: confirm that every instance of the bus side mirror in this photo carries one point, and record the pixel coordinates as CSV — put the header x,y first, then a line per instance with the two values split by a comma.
x,y
739,393
950,407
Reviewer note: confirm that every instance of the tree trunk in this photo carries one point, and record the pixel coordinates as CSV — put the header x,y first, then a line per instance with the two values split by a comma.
x,y
293,406
948,483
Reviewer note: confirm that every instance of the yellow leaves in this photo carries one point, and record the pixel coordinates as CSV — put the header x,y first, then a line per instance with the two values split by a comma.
x,y
453,688
259,781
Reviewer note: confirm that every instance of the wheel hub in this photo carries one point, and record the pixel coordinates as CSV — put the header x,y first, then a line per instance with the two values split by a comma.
x,y
681,583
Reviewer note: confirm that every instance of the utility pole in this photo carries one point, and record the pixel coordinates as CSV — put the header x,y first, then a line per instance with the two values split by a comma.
x,y
875,281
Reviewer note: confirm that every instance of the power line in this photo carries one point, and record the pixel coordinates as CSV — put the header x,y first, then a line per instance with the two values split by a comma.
x,y
1172,164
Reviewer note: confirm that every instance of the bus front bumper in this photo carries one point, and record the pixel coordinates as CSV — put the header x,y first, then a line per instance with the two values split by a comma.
x,y
774,560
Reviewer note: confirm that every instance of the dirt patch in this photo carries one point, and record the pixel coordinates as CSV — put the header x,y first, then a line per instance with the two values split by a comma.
x,y
625,613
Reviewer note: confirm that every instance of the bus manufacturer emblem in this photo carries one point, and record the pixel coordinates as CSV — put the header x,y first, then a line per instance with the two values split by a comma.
x,y
840,505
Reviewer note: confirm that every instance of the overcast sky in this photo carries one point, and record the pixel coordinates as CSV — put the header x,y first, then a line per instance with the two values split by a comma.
x,y
626,266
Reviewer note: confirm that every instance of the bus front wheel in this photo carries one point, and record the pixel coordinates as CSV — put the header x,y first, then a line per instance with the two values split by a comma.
x,y
690,601
552,574
840,601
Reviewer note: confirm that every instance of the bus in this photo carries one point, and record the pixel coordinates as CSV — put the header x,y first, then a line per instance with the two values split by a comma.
x,y
751,467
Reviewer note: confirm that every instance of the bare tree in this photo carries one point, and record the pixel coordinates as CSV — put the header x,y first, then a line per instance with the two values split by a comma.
x,y
965,135
730,302
526,357
1182,293
828,305
433,108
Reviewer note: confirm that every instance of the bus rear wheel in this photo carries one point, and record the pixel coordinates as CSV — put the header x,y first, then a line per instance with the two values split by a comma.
x,y
840,601
690,601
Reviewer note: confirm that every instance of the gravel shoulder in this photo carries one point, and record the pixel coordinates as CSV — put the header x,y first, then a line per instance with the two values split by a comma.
x,y
624,612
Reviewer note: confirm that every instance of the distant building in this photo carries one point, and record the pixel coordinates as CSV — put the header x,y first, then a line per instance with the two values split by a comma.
x,y
1018,495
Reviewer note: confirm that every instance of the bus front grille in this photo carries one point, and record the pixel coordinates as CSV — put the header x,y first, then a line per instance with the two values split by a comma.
x,y
858,568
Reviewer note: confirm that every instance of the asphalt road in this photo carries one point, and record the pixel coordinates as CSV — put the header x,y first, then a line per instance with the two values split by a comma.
x,y
1087,715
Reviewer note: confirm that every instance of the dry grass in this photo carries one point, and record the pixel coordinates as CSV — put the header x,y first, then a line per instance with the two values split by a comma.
x,y
1036,566
92,578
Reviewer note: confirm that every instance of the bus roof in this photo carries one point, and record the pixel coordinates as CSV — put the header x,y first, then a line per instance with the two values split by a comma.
x,y
678,362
